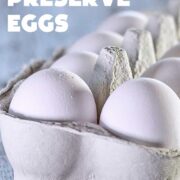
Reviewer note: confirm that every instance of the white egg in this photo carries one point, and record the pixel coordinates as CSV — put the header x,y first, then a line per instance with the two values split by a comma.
x,y
80,63
173,52
167,71
122,21
52,95
145,111
96,41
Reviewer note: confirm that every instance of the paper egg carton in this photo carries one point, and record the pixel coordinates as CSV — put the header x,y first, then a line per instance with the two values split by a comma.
x,y
72,151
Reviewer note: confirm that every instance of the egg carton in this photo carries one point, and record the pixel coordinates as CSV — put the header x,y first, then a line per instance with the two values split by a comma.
x,y
80,151
71,151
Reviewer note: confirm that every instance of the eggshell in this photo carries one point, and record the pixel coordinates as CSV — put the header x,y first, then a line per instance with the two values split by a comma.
x,y
164,33
167,71
111,70
80,63
96,41
122,21
140,49
174,51
50,95
145,111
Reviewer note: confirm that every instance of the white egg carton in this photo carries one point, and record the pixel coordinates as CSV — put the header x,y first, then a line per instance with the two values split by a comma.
x,y
72,151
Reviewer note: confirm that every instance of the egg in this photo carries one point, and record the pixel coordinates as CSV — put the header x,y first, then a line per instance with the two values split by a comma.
x,y
51,95
96,41
80,63
173,52
167,71
122,21
145,111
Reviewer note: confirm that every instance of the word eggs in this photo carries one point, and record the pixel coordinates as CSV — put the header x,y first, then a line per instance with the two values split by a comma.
x,y
30,23
145,111
50,95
